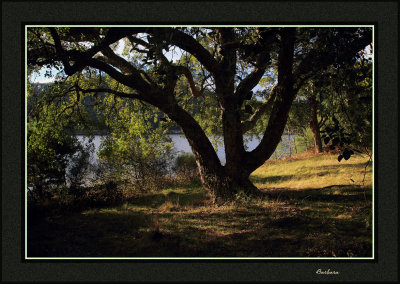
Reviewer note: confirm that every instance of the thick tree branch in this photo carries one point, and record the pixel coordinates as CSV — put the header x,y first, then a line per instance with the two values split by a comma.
x,y
134,41
227,52
322,121
113,35
248,83
110,91
260,51
192,86
69,70
264,108
189,44
281,106
119,62
135,81
180,70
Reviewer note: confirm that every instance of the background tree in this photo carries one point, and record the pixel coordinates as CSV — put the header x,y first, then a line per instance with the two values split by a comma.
x,y
349,121
298,125
232,61
310,111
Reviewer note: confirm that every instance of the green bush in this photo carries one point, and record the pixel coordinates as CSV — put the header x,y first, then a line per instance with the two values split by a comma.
x,y
134,168
57,163
185,168
55,158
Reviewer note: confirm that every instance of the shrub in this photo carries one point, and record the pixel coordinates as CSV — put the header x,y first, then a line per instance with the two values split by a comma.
x,y
133,165
54,157
56,160
186,168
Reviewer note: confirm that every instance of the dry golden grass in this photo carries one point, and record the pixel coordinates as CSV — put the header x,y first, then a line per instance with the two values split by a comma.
x,y
308,170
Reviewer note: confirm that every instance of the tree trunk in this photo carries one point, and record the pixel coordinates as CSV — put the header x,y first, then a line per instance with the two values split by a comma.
x,y
221,183
315,127
224,186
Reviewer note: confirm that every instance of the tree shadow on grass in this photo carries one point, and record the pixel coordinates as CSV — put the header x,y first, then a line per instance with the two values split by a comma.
x,y
337,193
281,178
133,235
271,179
361,166
155,200
308,223
95,234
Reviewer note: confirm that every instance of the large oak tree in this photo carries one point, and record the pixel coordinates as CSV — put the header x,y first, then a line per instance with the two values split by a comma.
x,y
231,63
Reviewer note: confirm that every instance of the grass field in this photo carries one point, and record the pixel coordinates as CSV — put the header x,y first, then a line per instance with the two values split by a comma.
x,y
313,206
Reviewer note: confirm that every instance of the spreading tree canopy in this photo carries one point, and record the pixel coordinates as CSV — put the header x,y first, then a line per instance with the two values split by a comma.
x,y
220,67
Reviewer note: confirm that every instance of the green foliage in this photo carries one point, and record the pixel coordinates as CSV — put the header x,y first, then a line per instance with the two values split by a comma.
x,y
185,162
185,168
343,96
349,124
135,152
55,157
304,140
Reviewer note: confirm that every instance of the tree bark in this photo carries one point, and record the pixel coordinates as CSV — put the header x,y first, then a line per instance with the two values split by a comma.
x,y
285,95
315,127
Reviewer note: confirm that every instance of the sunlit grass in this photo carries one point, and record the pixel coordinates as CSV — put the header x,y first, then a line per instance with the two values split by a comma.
x,y
313,172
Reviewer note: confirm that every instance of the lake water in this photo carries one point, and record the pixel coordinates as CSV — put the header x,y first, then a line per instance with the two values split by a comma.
x,y
182,145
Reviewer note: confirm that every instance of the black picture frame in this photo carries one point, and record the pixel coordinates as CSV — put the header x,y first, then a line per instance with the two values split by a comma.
x,y
382,14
